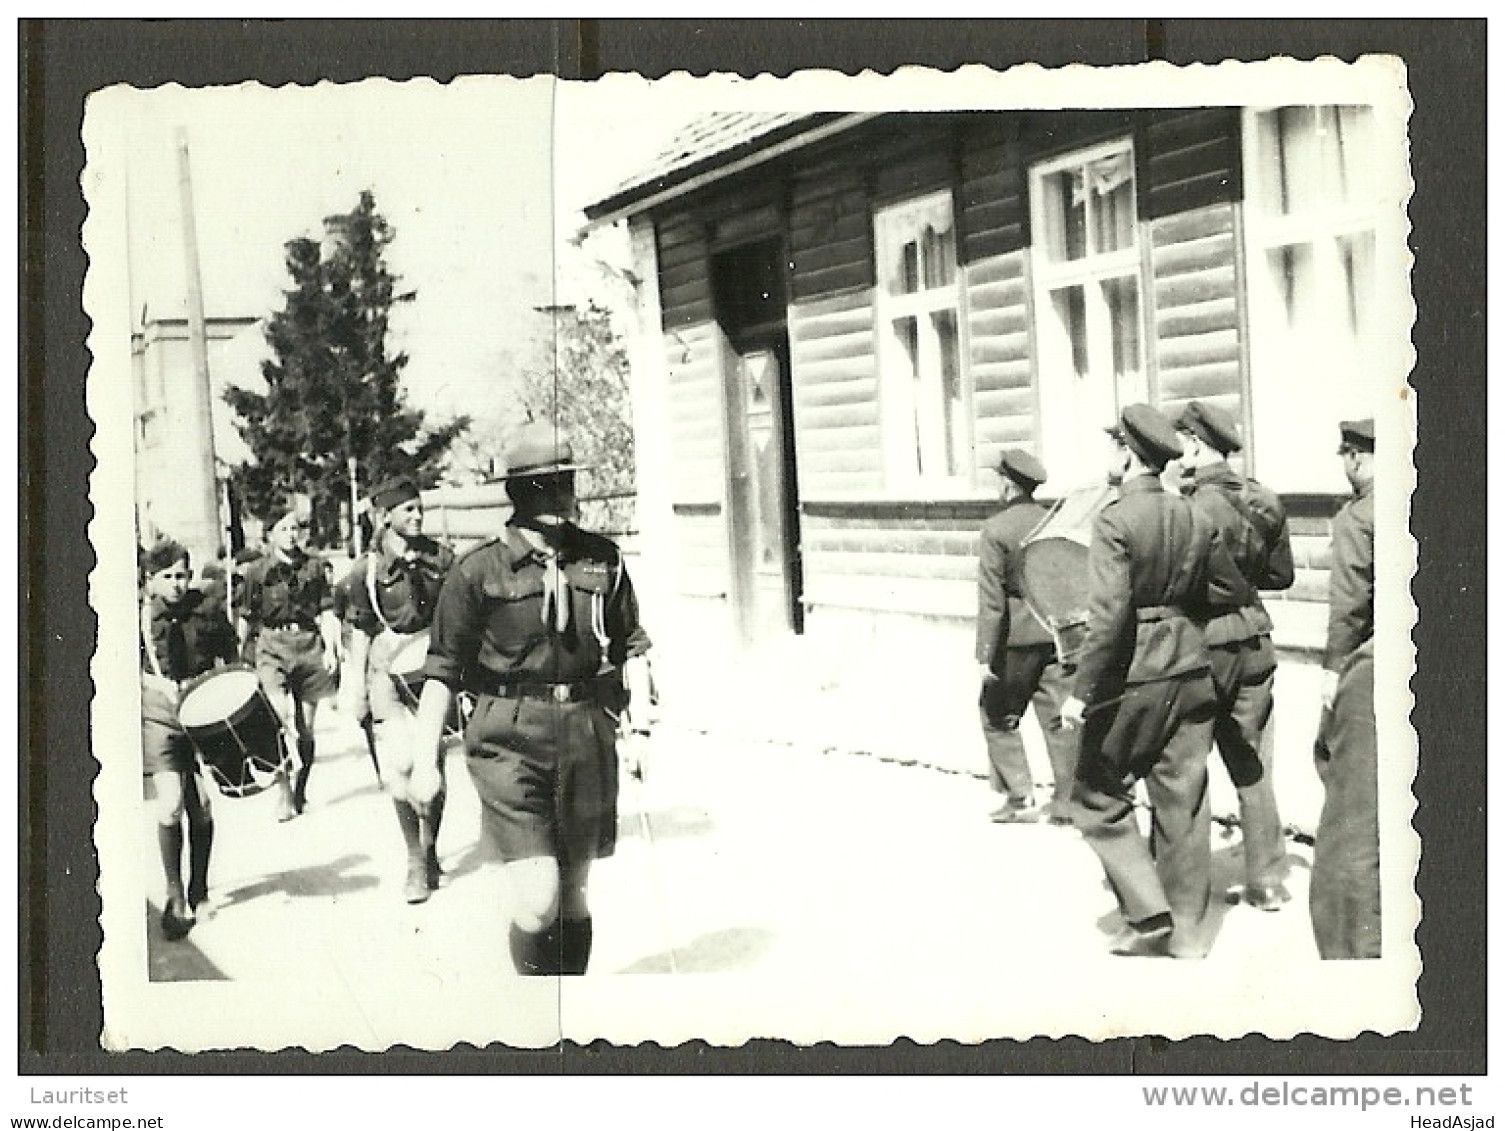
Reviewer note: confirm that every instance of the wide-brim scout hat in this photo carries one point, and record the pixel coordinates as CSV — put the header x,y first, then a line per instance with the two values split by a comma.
x,y
1358,434
539,449
1148,434
393,492
1212,425
1023,468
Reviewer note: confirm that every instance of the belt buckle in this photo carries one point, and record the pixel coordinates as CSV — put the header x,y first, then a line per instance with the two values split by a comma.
x,y
561,692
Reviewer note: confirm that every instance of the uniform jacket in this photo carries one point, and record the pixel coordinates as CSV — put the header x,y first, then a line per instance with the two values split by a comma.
x,y
186,640
278,593
1003,619
1251,525
1156,573
1350,584
496,621
407,587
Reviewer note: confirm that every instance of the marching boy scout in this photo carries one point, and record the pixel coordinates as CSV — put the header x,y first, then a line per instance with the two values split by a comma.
x,y
391,593
288,604
541,624
1144,694
184,633
1345,892
1016,655
1251,524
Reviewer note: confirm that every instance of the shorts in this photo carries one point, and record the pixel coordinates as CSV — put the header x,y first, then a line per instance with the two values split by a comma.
x,y
165,749
290,661
546,776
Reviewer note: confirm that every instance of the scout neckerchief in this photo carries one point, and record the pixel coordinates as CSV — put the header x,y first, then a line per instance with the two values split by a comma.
x,y
541,534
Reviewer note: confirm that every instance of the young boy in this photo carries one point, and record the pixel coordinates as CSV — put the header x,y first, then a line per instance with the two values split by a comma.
x,y
184,633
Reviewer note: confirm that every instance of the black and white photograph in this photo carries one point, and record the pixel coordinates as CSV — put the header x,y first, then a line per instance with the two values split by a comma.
x,y
828,558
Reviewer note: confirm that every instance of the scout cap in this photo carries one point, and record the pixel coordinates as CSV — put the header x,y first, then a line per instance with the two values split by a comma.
x,y
539,449
161,554
1023,468
394,492
283,505
1211,424
1148,434
1358,434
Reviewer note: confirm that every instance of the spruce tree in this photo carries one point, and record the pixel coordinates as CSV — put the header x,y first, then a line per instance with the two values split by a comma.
x,y
333,392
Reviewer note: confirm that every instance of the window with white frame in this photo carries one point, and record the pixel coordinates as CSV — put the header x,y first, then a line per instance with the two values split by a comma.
x,y
926,424
1089,329
1311,219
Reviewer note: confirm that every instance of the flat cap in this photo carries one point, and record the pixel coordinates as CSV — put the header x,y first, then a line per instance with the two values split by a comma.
x,y
1358,433
1211,424
1023,468
394,491
1148,434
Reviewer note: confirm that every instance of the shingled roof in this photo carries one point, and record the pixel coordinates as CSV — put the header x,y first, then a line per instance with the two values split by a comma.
x,y
712,143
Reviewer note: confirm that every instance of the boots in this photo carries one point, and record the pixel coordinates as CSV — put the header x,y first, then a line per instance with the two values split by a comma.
x,y
415,888
305,768
428,828
200,842
177,917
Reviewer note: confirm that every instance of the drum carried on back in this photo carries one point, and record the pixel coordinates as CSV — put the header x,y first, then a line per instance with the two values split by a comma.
x,y
1053,567
235,730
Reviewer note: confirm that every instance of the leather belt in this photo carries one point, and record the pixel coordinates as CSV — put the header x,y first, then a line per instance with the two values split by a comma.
x,y
1151,613
576,691
292,626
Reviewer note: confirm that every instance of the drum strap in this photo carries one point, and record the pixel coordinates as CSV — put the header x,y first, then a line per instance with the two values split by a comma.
x,y
146,638
373,561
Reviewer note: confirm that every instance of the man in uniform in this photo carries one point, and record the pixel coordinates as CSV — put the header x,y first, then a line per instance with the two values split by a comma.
x,y
184,633
1251,524
1016,655
1144,694
390,594
1345,892
541,624
289,605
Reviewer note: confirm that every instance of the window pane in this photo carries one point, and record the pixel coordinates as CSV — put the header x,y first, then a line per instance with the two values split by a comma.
x,y
909,269
940,257
907,333
1110,183
1123,319
1065,211
1071,310
953,416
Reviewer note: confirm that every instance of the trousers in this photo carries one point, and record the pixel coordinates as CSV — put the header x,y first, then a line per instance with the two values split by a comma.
x,y
1030,676
1161,733
1243,678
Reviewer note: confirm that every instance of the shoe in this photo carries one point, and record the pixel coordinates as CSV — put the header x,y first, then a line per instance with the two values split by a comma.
x,y
1058,813
1016,814
416,888
177,919
433,873
1271,898
1134,942
198,894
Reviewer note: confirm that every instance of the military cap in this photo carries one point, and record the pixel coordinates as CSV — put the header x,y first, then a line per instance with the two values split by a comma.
x,y
1148,434
161,554
246,556
1023,468
1210,424
394,491
283,505
1358,433
539,449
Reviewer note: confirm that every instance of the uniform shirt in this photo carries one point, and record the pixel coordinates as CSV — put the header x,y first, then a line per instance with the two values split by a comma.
x,y
1251,525
279,593
1003,619
1153,566
490,624
1350,580
407,587
185,639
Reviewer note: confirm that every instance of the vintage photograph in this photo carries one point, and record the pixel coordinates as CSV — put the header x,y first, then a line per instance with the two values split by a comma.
x,y
829,558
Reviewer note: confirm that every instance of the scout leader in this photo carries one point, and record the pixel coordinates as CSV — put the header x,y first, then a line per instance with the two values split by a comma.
x,y
1144,693
1016,655
288,603
184,633
541,624
391,594
1251,523
1345,892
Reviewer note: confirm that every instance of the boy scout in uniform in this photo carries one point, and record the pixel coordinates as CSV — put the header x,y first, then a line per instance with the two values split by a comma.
x,y
184,633
541,624
288,605
391,593
1145,697
1251,524
1345,892
1016,655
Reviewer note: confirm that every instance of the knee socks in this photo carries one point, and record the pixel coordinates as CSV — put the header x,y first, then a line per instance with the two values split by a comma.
x,y
575,936
200,842
170,844
535,953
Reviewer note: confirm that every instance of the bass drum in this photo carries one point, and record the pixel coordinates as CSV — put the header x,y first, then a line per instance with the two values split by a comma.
x,y
1053,567
406,672
235,730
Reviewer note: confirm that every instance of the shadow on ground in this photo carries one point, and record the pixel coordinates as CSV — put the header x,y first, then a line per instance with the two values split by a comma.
x,y
319,881
720,952
175,960
666,824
